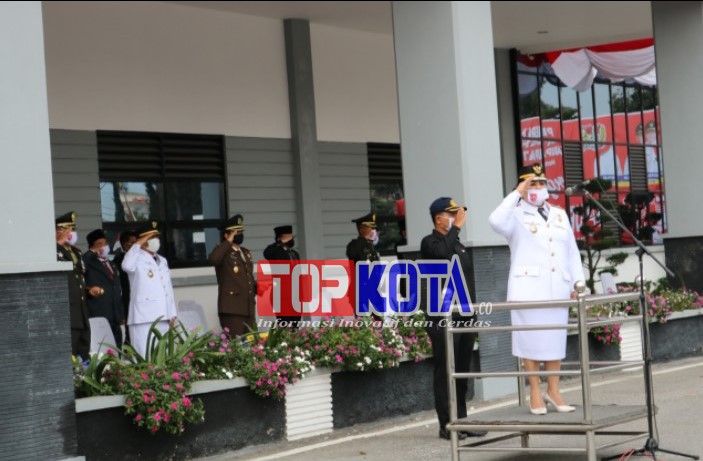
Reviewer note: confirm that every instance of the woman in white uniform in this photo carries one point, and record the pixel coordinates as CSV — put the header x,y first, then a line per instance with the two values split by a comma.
x,y
544,265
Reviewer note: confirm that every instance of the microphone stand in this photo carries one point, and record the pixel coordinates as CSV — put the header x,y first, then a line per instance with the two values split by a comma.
x,y
651,445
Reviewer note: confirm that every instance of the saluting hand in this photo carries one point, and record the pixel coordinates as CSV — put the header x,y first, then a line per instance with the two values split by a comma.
x,y
523,186
460,218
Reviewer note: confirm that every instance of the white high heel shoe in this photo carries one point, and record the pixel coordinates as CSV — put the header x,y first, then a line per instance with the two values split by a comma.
x,y
539,410
560,408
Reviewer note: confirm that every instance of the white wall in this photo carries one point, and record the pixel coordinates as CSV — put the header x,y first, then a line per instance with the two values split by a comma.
x,y
630,269
156,66
355,88
153,66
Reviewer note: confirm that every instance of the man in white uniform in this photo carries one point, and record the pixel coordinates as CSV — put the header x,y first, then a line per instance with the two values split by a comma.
x,y
544,265
152,291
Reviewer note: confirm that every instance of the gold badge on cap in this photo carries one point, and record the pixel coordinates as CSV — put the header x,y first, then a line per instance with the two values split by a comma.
x,y
154,224
537,168
533,228
453,204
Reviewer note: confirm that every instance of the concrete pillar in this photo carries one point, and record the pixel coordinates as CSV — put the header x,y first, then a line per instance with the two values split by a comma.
x,y
36,391
303,129
450,141
678,37
448,113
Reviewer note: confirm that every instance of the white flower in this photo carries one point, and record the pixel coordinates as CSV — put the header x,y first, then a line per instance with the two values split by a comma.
x,y
359,364
283,344
367,360
229,375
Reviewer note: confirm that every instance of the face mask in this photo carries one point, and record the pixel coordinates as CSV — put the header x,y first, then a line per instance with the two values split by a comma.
x,y
153,245
289,244
450,223
373,237
73,238
537,197
103,252
238,239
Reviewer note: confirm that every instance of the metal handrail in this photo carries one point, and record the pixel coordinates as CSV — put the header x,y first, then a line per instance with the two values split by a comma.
x,y
582,303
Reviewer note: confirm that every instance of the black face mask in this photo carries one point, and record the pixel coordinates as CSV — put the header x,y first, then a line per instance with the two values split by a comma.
x,y
289,244
238,239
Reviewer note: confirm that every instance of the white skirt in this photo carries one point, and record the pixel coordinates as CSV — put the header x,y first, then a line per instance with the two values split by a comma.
x,y
139,333
540,345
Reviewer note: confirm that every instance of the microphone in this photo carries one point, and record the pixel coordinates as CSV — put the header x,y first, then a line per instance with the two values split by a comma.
x,y
578,187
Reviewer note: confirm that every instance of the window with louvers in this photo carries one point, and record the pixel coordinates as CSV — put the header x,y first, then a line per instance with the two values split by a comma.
x,y
386,187
638,169
176,180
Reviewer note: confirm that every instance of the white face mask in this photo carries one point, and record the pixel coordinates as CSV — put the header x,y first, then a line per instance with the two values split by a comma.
x,y
450,223
104,251
72,238
153,245
374,237
537,197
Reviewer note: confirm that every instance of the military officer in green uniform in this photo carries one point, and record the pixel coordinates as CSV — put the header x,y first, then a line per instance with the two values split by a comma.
x,y
66,238
363,247
234,268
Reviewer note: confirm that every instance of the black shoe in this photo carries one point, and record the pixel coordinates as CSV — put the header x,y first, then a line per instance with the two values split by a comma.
x,y
473,433
444,434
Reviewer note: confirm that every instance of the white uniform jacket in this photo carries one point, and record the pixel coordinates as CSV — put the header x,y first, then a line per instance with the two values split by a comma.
x,y
151,289
544,265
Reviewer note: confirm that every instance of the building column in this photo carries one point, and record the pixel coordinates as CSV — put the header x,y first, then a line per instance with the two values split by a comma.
x,y
303,127
450,138
678,38
36,389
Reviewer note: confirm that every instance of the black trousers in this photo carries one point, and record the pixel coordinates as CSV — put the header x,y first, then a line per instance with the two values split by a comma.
x,y
80,342
463,349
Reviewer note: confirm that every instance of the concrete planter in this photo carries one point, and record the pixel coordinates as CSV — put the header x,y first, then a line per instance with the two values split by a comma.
x,y
235,417
681,336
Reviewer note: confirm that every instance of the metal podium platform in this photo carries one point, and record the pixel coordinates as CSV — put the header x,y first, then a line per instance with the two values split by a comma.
x,y
587,421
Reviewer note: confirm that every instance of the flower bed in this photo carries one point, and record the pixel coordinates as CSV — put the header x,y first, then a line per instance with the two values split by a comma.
x,y
157,387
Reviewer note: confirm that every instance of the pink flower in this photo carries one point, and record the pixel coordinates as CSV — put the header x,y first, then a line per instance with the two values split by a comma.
x,y
138,418
145,376
226,330
185,359
110,352
174,406
338,358
176,376
157,417
185,401
179,387
166,417
155,429
146,398
167,387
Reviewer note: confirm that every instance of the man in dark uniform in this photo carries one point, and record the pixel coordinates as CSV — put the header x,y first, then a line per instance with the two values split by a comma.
x,y
127,239
234,268
443,243
362,248
101,273
66,237
282,250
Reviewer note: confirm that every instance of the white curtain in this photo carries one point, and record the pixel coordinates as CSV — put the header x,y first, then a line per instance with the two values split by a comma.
x,y
577,69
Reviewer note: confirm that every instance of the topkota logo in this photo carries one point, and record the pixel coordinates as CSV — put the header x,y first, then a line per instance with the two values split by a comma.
x,y
294,288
